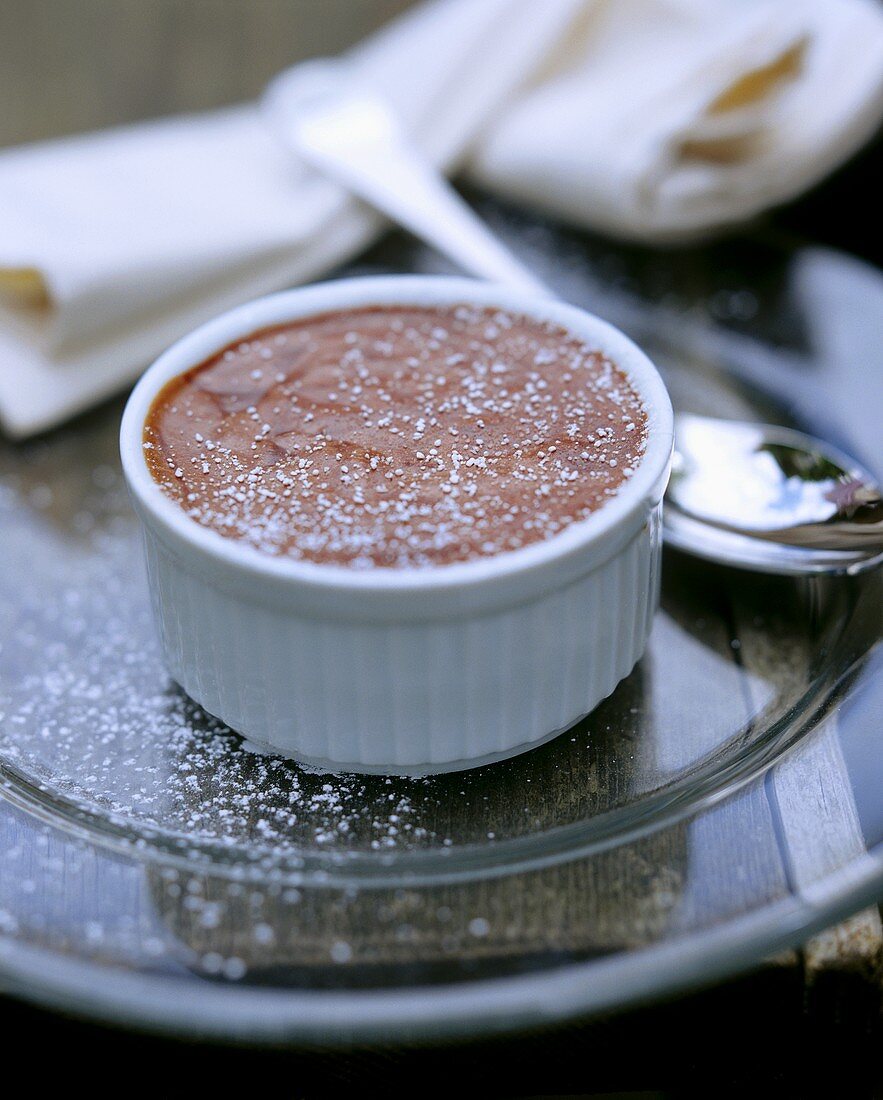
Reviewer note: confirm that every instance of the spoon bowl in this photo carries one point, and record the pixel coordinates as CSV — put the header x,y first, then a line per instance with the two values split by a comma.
x,y
770,498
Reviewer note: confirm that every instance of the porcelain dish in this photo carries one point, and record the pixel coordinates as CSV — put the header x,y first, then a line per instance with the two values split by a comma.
x,y
404,671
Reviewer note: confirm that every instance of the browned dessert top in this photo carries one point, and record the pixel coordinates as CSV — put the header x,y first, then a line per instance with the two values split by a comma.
x,y
399,436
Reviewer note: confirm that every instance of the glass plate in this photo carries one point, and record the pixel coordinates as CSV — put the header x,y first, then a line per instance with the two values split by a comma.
x,y
723,803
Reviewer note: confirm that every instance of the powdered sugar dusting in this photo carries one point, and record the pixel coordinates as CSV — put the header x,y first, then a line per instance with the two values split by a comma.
x,y
398,437
87,710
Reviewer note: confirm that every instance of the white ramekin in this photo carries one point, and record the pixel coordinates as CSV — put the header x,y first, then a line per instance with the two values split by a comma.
x,y
403,670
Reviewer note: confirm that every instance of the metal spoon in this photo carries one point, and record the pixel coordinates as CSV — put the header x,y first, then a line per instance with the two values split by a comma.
x,y
770,498
758,497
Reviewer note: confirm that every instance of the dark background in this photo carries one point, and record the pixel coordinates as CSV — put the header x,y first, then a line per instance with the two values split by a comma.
x,y
67,66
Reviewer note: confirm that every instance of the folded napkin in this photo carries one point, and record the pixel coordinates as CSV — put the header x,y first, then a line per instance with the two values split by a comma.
x,y
651,119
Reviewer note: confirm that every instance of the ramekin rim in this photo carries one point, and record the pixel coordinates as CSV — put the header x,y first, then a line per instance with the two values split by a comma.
x,y
628,504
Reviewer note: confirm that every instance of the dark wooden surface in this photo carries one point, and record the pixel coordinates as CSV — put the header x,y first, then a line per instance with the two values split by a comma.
x,y
71,66
765,1034
807,1023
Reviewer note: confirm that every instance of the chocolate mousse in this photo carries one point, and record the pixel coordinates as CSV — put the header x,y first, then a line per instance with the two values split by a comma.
x,y
397,436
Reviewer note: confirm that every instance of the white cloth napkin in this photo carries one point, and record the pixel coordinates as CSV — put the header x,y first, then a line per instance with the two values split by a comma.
x,y
651,119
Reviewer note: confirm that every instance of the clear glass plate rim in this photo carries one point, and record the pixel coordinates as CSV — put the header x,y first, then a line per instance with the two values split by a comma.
x,y
495,1005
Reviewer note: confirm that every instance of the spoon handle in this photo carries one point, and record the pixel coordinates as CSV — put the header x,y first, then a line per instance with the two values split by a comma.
x,y
426,204
360,146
